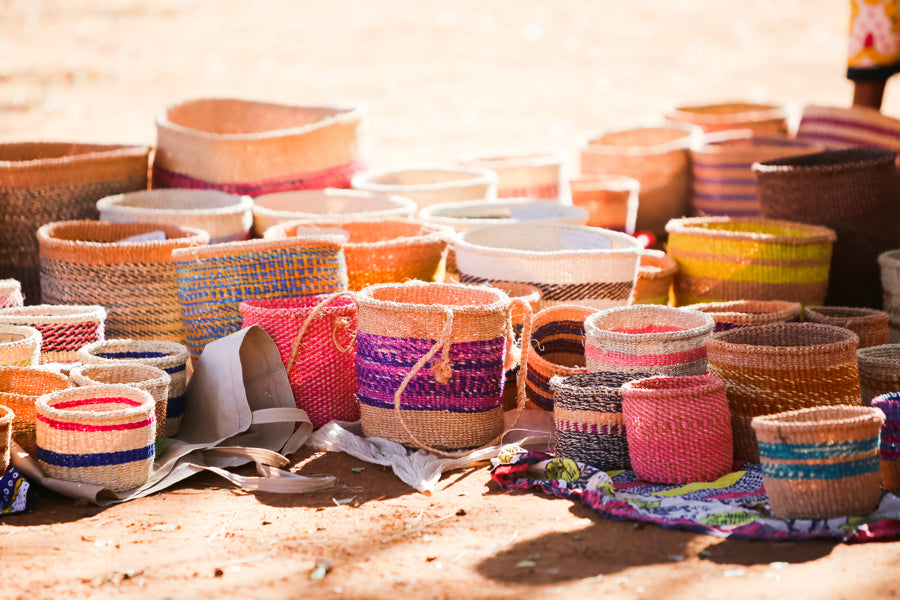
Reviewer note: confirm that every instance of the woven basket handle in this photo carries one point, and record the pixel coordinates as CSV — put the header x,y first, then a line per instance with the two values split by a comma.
x,y
295,345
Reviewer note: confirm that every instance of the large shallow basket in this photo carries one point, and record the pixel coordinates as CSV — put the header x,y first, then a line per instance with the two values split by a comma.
x,y
42,182
64,328
432,185
20,346
889,451
525,173
758,119
557,349
10,293
879,370
655,277
870,325
224,217
744,258
821,462
251,148
6,419
889,263
611,201
20,388
89,262
744,313
848,127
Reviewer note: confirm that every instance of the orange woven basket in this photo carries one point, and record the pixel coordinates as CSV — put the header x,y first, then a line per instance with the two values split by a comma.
x,y
760,119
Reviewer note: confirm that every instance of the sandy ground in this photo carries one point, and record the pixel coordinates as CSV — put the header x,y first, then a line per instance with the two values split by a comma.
x,y
440,78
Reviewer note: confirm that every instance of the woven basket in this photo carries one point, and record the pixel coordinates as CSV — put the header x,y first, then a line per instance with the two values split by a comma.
x,y
870,325
569,264
854,192
557,349
20,387
331,204
879,370
525,173
462,216
731,258
889,263
97,434
224,217
611,201
760,119
782,366
723,183
6,420
170,357
10,293
20,346
432,185
213,280
251,148
822,462
743,313
848,127
316,336
655,276
42,182
134,280
678,428
889,451
64,328
430,363
657,157
647,338
379,251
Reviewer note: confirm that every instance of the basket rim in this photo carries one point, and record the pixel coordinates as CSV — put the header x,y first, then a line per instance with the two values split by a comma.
x,y
692,136
687,226
46,236
100,151
858,315
428,232
33,373
515,157
55,313
869,156
174,352
29,335
632,246
780,421
884,354
365,297
565,382
399,202
645,388
45,404
771,110
889,258
478,176
240,248
564,211
703,328
156,375
720,339
779,307
113,204
545,317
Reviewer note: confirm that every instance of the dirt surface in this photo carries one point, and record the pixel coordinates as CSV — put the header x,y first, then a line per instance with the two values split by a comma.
x,y
440,78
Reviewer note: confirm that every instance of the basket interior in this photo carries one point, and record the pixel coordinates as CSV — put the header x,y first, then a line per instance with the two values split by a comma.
x,y
651,136
545,238
31,382
9,338
239,116
322,202
647,320
425,177
437,295
178,200
26,151
367,232
100,232
783,335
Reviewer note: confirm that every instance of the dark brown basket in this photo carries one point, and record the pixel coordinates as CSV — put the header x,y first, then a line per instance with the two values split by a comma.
x,y
872,326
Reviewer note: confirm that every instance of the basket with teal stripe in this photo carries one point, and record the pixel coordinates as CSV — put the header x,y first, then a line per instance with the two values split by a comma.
x,y
822,462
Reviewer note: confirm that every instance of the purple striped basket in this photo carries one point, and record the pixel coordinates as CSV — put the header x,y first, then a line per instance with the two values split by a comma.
x,y
889,404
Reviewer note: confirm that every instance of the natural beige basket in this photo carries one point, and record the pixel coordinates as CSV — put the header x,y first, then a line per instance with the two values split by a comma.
x,y
10,293
525,172
758,118
432,185
20,346
64,328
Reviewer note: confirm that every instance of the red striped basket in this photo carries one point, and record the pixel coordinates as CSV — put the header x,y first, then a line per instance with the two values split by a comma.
x,y
64,328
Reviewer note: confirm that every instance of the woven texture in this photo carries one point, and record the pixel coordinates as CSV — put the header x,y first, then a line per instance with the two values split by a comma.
x,y
42,182
730,258
538,173
430,363
64,328
854,192
743,313
678,428
889,263
98,434
821,462
611,201
432,185
20,387
889,450
779,367
84,262
20,346
10,293
214,280
557,349
759,119
879,370
848,127
871,326
462,216
6,419
656,274
252,148
316,337
170,357
647,338
379,251
225,217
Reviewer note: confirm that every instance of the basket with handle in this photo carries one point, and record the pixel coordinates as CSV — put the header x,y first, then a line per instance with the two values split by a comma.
x,y
525,172
431,184
20,387
745,313
63,328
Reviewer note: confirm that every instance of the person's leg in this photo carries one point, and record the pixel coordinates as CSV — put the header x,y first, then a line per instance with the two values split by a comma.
x,y
868,93
873,49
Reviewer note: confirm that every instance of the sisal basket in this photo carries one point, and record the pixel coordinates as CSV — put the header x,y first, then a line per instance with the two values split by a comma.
x,y
42,182
170,357
889,263
251,148
525,173
64,328
870,325
744,313
87,262
647,338
20,387
722,259
430,363
611,201
570,265
779,367
879,370
848,127
379,251
6,420
462,216
656,274
821,462
10,293
225,217
431,185
329,204
20,346
678,428
97,434
316,337
758,119
889,451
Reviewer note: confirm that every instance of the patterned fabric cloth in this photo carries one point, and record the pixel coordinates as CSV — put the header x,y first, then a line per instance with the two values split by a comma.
x,y
13,492
733,505
873,52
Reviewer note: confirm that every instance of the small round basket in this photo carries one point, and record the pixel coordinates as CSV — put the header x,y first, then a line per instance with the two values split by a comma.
x,y
879,370
655,276
759,119
10,293
64,328
746,313
431,185
20,346
872,326
556,350
20,387
526,172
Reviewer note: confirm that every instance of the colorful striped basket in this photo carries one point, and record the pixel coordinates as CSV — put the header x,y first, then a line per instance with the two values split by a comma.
x,y
557,349
170,357
656,274
647,338
91,262
430,363
20,346
525,173
879,371
889,263
870,325
20,387
821,462
611,201
213,280
744,258
570,265
779,367
848,127
6,420
10,293
43,182
431,185
678,428
97,434
744,313
756,118
251,148
225,217
64,328
316,337
379,251
889,451
331,204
